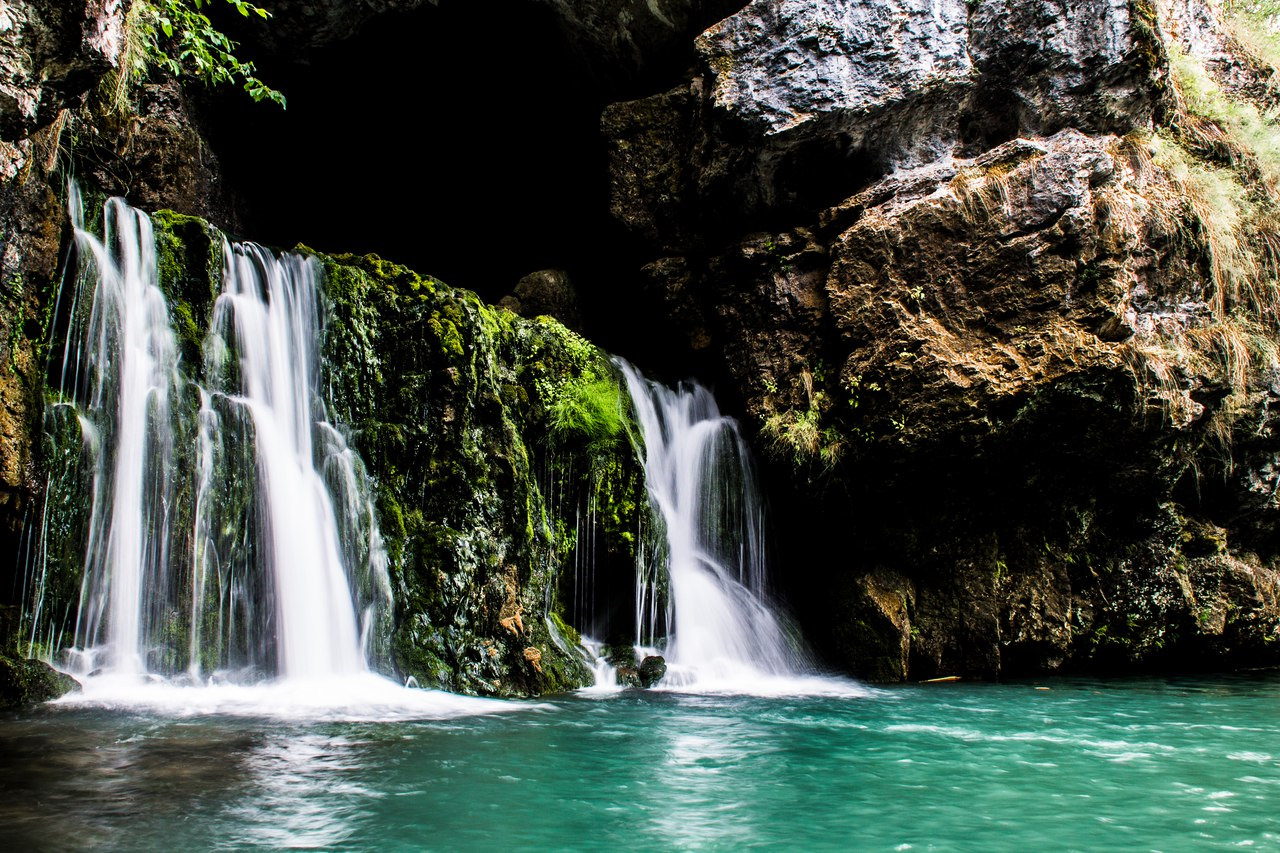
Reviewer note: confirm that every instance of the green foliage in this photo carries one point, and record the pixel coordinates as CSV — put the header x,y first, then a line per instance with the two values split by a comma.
x,y
803,434
178,36
590,409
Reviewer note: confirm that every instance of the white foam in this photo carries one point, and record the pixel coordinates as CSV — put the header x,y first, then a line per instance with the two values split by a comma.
x,y
354,698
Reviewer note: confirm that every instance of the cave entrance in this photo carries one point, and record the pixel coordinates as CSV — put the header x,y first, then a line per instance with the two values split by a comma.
x,y
460,140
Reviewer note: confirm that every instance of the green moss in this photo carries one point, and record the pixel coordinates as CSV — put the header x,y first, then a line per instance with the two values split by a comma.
x,y
24,683
589,409
189,263
568,632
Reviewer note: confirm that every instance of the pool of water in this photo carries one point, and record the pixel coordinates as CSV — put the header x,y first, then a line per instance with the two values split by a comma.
x,y
1153,764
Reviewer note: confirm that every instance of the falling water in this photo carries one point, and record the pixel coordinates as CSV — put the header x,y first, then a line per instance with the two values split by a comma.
x,y
267,314
231,534
130,370
721,628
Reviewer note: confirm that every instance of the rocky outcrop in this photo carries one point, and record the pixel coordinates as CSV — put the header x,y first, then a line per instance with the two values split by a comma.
x,y
51,53
869,77
1009,357
485,434
796,105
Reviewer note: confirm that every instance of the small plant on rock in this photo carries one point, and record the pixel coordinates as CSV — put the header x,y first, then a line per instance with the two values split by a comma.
x,y
177,36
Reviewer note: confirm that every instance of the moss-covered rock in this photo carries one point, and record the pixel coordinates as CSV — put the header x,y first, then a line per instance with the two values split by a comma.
x,y
483,431
189,262
25,682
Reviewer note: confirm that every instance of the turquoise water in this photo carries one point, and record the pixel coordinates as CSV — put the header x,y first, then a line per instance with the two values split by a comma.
x,y
1169,764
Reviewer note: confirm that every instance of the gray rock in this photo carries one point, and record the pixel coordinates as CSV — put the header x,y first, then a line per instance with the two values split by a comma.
x,y
799,67
799,104
824,91
1097,67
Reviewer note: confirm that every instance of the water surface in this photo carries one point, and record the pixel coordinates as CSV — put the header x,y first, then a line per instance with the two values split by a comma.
x,y
1159,764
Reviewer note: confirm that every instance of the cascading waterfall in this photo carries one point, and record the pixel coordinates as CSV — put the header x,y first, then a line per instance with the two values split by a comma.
x,y
720,627
130,370
267,315
230,534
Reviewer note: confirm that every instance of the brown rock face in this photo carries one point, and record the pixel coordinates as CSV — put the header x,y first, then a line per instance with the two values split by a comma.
x,y
51,53
997,344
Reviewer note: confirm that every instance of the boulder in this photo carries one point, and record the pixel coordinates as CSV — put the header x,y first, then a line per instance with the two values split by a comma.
x,y
25,682
651,670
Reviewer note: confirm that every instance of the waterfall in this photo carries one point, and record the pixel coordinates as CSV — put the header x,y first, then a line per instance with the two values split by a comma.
x,y
230,534
130,370
721,629
268,315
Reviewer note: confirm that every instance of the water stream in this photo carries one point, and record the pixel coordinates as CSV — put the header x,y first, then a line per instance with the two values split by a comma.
x,y
722,631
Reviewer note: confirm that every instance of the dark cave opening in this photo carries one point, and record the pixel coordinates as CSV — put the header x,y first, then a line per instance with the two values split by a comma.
x,y
477,167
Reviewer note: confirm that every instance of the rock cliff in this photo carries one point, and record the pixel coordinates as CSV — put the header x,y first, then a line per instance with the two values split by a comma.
x,y
993,285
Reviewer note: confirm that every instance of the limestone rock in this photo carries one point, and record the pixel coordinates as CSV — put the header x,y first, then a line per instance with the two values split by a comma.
x,y
796,105
51,53
1098,68
845,67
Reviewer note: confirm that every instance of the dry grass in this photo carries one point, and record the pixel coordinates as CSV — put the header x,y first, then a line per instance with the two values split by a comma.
x,y
115,93
982,193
